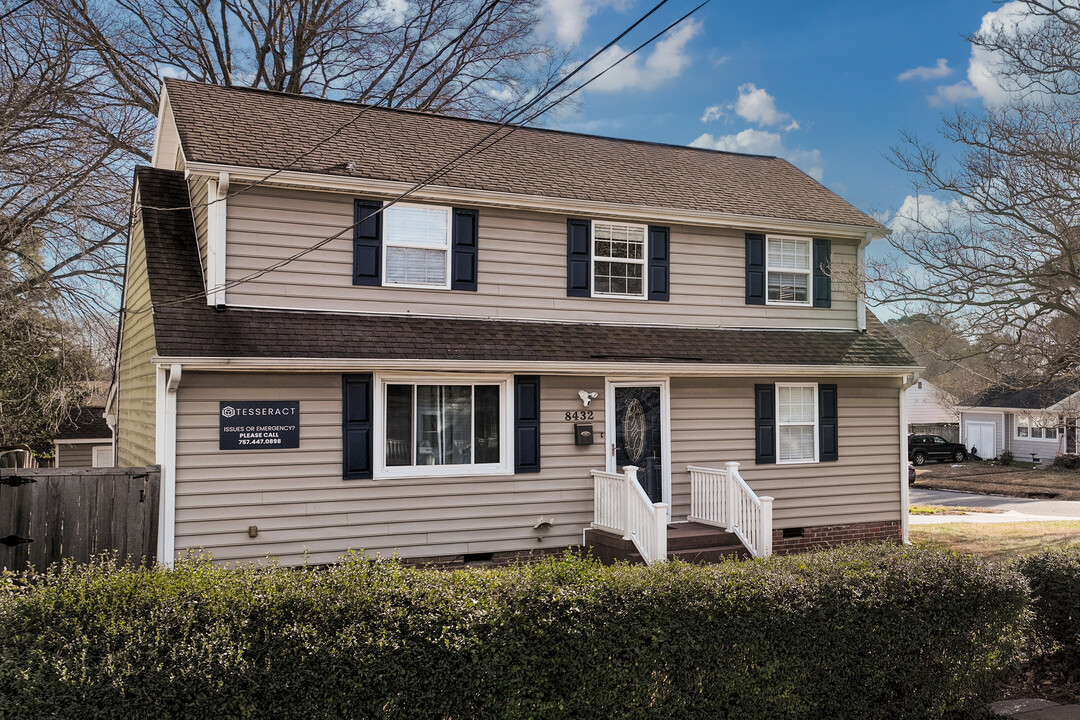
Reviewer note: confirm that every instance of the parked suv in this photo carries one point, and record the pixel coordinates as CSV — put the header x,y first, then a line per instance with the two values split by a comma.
x,y
934,447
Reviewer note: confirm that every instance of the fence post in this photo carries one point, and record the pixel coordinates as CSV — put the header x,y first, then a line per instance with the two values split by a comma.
x,y
766,526
630,475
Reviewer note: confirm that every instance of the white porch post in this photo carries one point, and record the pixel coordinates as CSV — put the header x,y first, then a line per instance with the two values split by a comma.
x,y
630,475
730,496
766,526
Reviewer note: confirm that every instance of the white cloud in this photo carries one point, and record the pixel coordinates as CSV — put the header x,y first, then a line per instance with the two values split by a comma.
x,y
566,21
756,105
713,112
983,79
924,213
763,142
667,61
940,70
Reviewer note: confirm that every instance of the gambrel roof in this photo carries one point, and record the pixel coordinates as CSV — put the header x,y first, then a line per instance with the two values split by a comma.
x,y
260,129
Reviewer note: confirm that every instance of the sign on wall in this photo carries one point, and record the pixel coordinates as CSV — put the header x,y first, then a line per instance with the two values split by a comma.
x,y
259,425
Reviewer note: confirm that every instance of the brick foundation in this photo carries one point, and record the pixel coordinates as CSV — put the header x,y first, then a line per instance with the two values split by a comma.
x,y
831,535
451,562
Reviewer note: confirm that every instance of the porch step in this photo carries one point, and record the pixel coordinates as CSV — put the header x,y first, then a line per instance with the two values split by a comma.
x,y
689,542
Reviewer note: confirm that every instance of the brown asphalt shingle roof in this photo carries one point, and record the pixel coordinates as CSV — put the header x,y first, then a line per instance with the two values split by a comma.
x,y
188,327
87,424
258,128
1037,397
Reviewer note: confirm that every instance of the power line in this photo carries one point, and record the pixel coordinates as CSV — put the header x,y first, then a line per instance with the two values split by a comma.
x,y
477,146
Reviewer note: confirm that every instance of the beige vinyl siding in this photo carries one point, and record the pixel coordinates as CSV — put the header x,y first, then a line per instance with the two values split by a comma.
x,y
300,503
713,423
197,191
522,270
74,454
136,392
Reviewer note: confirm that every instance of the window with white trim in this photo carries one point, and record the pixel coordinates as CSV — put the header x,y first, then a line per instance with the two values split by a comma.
x,y
618,259
416,241
796,423
788,271
1029,428
443,427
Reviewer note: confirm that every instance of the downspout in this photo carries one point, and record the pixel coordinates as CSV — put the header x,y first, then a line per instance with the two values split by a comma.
x,y
169,382
904,490
217,192
860,290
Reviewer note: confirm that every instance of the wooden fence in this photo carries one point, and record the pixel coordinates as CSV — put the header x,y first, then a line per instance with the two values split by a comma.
x,y
77,513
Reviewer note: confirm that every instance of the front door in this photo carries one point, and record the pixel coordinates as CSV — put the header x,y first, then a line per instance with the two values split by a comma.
x,y
636,427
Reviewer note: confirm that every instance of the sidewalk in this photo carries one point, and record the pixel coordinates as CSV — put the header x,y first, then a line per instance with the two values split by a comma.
x,y
1030,709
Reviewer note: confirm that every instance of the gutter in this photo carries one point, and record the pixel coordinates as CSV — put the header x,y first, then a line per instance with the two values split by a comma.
x,y
168,384
860,292
905,495
533,367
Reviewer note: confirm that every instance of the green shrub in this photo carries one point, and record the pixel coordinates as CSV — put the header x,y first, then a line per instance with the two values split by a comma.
x,y
1006,457
860,632
1067,462
1054,576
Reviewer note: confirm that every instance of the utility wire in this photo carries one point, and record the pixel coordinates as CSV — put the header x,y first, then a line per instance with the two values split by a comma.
x,y
477,146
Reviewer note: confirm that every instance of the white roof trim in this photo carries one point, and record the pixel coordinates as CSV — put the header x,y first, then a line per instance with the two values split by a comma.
x,y
532,367
444,194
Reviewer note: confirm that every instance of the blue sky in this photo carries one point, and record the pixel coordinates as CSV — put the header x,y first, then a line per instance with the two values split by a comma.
x,y
819,83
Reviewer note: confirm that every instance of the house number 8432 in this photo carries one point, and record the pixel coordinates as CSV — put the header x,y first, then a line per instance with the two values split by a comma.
x,y
580,415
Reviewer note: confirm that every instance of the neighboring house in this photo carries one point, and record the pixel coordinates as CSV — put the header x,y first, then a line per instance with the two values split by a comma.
x,y
84,441
931,410
1038,421
464,375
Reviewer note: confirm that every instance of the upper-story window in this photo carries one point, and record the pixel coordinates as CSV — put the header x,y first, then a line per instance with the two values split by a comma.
x,y
619,260
417,243
788,270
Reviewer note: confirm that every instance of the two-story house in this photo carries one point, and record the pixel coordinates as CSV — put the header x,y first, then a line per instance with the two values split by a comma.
x,y
467,372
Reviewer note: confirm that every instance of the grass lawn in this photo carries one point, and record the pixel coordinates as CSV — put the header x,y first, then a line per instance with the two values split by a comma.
x,y
948,510
998,542
1019,480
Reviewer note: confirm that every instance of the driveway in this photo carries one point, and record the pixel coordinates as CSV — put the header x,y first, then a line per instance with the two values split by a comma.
x,y
1013,509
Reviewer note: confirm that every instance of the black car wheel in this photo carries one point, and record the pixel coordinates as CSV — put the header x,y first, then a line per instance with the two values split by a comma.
x,y
919,458
959,456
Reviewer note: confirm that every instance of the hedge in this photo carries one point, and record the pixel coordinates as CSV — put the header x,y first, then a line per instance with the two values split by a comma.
x,y
1054,576
860,632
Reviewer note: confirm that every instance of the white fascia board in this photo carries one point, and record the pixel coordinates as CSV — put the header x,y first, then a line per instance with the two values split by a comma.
x,y
98,441
444,194
531,367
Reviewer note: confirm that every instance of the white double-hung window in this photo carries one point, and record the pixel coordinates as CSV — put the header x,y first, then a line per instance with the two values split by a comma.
x,y
788,270
796,423
416,241
1030,428
443,426
618,259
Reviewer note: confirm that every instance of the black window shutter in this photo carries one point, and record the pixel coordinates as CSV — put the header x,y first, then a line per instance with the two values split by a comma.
x,y
578,254
765,424
828,426
659,262
822,281
755,269
367,243
526,423
463,264
356,413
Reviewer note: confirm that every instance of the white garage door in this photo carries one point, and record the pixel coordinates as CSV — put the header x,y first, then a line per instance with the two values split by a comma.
x,y
981,436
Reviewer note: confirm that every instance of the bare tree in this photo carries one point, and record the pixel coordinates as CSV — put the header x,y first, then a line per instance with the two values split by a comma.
x,y
466,57
1000,257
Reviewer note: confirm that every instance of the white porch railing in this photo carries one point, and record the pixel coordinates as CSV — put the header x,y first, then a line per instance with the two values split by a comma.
x,y
622,507
722,498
